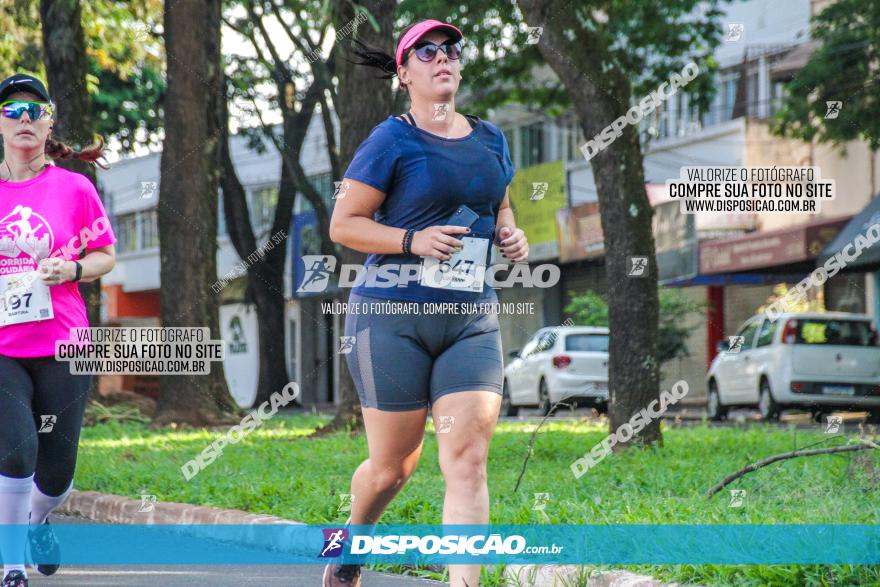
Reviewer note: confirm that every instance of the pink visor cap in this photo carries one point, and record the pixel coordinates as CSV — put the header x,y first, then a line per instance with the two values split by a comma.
x,y
416,32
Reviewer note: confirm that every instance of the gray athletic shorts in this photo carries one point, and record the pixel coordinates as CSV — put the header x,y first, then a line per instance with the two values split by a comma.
x,y
406,361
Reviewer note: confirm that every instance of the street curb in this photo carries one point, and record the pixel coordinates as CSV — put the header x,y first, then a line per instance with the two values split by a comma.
x,y
567,575
188,519
115,509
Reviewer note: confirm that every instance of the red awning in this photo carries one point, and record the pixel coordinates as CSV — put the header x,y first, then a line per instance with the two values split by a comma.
x,y
775,248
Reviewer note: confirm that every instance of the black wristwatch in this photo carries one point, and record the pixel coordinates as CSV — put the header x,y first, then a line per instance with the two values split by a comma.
x,y
79,271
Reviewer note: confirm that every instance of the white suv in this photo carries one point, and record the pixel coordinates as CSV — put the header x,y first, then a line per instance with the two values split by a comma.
x,y
809,360
562,362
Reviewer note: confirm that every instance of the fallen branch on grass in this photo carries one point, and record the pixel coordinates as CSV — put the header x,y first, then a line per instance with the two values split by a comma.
x,y
864,444
532,439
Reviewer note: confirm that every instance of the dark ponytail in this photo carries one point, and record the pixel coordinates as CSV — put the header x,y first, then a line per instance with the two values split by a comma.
x,y
373,57
91,154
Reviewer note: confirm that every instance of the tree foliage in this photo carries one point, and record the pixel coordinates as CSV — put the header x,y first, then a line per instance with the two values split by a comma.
x,y
843,69
676,312
125,57
644,41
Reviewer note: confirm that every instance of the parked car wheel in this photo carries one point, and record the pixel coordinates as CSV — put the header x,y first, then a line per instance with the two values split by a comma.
x,y
543,398
507,408
766,404
714,409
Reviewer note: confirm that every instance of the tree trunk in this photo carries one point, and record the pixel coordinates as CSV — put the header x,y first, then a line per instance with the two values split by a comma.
x,y
265,277
295,124
66,68
599,96
266,286
187,212
293,179
357,117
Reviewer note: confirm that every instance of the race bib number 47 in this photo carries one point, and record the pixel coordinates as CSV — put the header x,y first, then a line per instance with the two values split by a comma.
x,y
463,271
24,298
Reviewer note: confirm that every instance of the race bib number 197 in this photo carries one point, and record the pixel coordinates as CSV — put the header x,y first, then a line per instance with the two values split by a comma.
x,y
464,271
24,298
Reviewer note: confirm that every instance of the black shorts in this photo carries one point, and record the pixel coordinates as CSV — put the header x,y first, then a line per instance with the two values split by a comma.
x,y
407,360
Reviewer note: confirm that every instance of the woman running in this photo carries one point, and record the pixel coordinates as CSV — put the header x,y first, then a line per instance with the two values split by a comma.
x,y
426,191
47,215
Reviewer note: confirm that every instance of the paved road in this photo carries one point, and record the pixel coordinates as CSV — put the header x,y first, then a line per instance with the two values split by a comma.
x,y
199,576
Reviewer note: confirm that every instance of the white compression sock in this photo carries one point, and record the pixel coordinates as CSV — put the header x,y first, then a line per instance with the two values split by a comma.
x,y
15,503
42,505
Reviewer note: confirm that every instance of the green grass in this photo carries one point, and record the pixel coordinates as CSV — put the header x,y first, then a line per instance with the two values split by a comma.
x,y
278,470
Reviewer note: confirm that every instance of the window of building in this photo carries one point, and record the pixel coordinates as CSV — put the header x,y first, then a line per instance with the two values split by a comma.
x,y
125,227
729,83
572,138
752,91
679,103
532,141
777,95
711,115
263,203
149,229
660,123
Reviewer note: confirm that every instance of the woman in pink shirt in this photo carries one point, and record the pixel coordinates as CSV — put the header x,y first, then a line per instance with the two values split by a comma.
x,y
53,233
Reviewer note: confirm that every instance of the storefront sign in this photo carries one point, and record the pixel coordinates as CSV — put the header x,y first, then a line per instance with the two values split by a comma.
x,y
762,250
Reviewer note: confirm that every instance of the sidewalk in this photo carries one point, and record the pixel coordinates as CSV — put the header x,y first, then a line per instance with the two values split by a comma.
x,y
202,576
90,507
85,507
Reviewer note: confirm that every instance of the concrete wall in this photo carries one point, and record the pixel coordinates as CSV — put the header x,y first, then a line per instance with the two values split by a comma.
x,y
692,368
856,172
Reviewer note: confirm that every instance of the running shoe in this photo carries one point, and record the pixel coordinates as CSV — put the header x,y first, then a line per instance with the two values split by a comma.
x,y
14,579
44,546
342,576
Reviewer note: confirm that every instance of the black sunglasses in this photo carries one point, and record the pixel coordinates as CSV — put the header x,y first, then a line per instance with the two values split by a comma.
x,y
426,51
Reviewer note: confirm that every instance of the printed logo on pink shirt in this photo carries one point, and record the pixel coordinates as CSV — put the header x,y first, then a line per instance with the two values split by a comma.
x,y
25,238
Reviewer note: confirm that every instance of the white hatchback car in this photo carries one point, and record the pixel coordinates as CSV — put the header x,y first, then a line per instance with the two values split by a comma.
x,y
562,362
807,360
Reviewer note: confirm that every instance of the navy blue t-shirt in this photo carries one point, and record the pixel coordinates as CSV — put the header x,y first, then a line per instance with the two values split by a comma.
x,y
425,178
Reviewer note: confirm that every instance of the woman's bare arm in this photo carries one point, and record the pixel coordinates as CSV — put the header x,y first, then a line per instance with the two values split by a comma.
x,y
352,225
96,263
505,216
512,240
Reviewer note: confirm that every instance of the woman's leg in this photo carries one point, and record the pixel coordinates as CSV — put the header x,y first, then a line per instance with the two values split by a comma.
x,y
18,457
63,396
465,399
464,449
395,443
391,370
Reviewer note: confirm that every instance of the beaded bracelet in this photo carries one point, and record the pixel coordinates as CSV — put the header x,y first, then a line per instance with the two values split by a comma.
x,y
407,241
